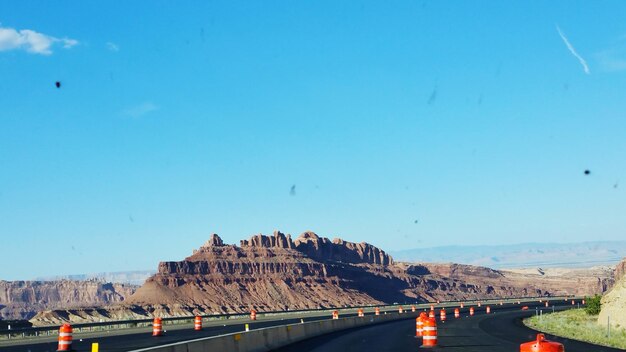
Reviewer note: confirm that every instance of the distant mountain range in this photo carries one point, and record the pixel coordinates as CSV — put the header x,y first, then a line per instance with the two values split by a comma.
x,y
572,255
136,277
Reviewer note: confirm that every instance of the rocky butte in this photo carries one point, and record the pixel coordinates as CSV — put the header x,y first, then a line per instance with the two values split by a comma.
x,y
270,273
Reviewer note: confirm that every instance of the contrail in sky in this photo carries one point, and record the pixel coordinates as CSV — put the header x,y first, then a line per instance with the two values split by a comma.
x,y
573,51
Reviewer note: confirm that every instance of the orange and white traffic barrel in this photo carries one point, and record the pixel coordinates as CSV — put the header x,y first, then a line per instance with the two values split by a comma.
x,y
376,311
488,309
573,302
197,323
400,310
157,327
479,304
541,345
583,302
442,314
360,312
462,305
335,314
546,303
253,314
471,311
65,338
431,314
432,307
429,338
457,312
413,309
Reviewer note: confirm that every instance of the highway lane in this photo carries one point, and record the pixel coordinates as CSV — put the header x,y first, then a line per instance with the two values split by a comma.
x,y
501,331
128,339
141,338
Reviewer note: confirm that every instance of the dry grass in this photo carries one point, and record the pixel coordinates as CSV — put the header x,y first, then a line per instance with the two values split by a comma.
x,y
578,325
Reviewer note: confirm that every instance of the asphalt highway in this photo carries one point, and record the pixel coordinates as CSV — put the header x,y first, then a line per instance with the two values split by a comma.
x,y
500,331
142,338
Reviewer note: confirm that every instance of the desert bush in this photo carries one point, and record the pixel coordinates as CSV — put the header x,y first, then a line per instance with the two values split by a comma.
x,y
593,305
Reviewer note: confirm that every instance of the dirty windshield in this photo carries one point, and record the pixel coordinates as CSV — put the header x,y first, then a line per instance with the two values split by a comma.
x,y
312,175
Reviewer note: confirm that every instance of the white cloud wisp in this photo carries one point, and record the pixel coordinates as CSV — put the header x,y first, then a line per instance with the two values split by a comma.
x,y
31,41
571,49
140,110
112,46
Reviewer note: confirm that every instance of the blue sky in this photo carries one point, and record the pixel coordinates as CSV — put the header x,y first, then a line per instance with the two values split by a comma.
x,y
178,120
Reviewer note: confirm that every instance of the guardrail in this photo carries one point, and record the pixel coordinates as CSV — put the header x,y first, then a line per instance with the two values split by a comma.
x,y
52,330
271,338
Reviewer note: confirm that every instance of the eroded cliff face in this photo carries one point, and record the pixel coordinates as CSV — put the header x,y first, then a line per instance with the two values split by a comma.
x,y
273,273
23,299
614,301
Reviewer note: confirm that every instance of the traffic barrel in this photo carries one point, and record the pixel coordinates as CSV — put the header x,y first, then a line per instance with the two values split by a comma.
x,y
541,345
413,309
442,314
65,338
197,323
253,314
488,309
573,302
583,302
432,307
462,305
479,304
471,311
429,338
157,327
335,314
438,301
376,311
419,324
431,314
400,310
457,312
360,312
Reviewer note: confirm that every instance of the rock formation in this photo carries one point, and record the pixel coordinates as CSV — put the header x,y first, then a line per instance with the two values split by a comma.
x,y
274,273
614,301
23,299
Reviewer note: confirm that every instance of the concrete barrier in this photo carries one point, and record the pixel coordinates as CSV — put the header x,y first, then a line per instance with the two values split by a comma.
x,y
267,339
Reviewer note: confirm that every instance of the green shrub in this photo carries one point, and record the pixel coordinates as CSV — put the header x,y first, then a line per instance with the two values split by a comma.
x,y
593,305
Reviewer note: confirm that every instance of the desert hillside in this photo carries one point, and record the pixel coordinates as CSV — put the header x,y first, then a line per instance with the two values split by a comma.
x,y
614,301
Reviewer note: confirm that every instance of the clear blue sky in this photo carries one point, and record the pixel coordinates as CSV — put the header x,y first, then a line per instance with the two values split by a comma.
x,y
175,120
